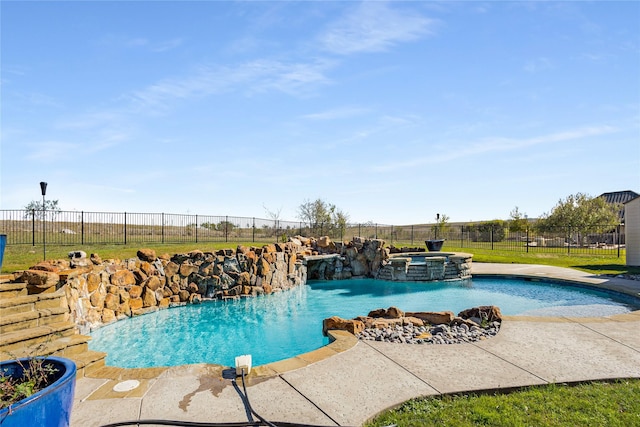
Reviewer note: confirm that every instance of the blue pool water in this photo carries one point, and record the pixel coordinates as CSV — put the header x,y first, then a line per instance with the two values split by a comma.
x,y
282,325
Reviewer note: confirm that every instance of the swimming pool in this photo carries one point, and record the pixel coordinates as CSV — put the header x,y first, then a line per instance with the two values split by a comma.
x,y
282,325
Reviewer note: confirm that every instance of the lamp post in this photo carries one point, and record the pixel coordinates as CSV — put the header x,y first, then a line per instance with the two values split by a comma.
x,y
43,189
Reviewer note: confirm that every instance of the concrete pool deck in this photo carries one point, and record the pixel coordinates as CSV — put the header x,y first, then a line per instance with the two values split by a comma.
x,y
350,381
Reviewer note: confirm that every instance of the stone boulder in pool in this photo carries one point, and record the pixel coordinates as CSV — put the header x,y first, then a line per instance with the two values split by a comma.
x,y
354,326
484,313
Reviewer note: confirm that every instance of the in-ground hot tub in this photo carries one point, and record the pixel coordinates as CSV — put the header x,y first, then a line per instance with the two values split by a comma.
x,y
426,266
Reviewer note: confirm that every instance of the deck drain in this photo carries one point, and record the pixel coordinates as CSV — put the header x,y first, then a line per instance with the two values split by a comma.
x,y
126,386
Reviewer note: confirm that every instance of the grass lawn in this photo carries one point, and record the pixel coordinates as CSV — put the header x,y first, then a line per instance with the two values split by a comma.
x,y
595,264
590,404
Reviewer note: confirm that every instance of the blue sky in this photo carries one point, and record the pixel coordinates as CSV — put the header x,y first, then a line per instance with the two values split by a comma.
x,y
392,111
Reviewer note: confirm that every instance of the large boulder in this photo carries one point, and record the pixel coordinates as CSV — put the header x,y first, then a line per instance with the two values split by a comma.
x,y
148,255
111,301
40,280
349,325
93,281
324,242
433,318
123,278
489,313
187,268
152,283
135,291
171,268
149,298
395,313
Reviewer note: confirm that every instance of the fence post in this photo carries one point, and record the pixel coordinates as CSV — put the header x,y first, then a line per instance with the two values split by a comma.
x,y
527,242
359,230
226,228
491,237
618,238
33,227
568,240
376,235
162,230
125,228
462,236
253,230
392,234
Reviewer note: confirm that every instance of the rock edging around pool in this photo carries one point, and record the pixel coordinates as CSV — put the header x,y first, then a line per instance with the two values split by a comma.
x,y
394,325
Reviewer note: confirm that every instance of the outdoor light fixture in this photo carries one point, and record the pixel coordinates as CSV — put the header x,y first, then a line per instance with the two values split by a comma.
x,y
43,188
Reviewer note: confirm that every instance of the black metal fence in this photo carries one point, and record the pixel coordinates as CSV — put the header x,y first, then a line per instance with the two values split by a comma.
x,y
81,228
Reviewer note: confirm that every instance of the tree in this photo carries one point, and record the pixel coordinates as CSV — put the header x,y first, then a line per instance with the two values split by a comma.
x,y
323,217
581,213
441,226
517,222
274,215
35,208
208,225
225,226
488,231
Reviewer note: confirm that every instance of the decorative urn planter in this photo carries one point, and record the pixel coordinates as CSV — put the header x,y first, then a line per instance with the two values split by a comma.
x,y
3,243
434,245
49,407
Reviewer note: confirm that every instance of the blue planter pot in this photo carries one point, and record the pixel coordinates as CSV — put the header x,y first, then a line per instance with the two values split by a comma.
x,y
3,243
51,406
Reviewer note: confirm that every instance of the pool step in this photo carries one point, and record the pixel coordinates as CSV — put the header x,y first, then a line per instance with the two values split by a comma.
x,y
32,319
88,362
38,325
29,303
33,337
63,346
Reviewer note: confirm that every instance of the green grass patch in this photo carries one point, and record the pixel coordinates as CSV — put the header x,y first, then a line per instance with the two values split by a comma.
x,y
590,404
594,264
21,257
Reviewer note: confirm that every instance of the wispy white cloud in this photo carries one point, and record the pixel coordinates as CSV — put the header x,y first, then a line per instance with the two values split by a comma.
x,y
52,151
253,77
49,151
337,113
25,101
134,42
374,27
167,45
538,64
496,144
109,189
89,120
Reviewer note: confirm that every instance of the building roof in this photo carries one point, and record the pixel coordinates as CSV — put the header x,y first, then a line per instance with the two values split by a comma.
x,y
621,197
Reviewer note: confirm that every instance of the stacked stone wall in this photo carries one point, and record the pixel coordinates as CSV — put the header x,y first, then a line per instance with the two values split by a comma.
x,y
100,292
434,267
103,291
